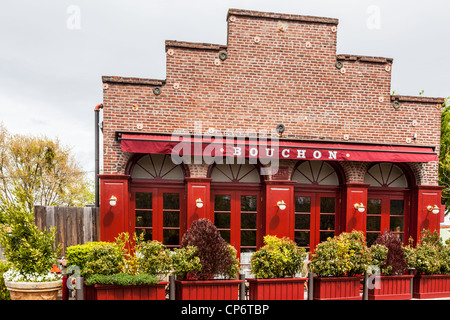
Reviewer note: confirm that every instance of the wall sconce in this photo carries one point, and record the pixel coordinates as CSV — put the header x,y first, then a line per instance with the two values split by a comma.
x,y
199,203
112,201
434,209
360,207
281,204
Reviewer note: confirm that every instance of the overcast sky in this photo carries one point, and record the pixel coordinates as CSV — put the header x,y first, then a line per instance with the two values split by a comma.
x,y
53,53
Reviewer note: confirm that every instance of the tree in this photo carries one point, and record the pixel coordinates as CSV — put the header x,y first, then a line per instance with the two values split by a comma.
x,y
444,156
35,170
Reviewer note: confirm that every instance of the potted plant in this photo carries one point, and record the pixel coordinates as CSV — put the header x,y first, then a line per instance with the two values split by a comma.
x,y
123,271
31,254
388,255
206,265
339,264
431,261
275,266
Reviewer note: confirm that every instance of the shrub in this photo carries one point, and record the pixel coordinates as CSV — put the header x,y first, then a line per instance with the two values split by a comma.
x,y
395,261
216,258
4,293
154,257
278,258
104,258
185,262
78,255
343,255
122,279
27,249
378,254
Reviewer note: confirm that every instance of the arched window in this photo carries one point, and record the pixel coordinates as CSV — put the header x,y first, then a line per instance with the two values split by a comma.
x,y
388,202
235,192
157,204
316,197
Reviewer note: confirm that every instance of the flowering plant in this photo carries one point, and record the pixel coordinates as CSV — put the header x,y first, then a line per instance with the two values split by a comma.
x,y
17,276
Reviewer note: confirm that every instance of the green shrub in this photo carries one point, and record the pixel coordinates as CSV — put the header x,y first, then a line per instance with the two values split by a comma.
x,y
104,258
4,293
27,249
186,262
122,279
154,257
343,255
278,258
78,255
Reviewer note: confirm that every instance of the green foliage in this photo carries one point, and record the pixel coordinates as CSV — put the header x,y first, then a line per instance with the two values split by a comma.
x,y
78,255
154,257
185,261
378,253
104,258
4,293
122,279
278,258
444,155
343,255
27,249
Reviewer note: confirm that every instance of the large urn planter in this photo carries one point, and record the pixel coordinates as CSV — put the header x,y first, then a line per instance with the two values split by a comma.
x,y
277,289
431,286
207,289
34,290
395,287
118,292
336,288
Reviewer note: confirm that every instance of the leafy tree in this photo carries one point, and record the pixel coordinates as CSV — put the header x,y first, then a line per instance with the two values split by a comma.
x,y
35,170
444,157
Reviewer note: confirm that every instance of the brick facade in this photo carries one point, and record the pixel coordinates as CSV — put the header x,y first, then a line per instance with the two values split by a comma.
x,y
278,69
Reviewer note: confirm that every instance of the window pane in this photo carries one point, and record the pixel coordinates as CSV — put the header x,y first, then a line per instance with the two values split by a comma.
x,y
396,224
222,220
171,219
373,223
248,220
374,206
148,234
248,203
302,238
371,237
171,201
326,222
143,200
222,202
171,237
302,204
397,207
248,238
144,218
302,221
225,235
325,235
327,205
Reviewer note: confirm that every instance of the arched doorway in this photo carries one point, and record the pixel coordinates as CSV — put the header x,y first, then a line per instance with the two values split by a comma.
x,y
317,198
236,200
389,201
157,208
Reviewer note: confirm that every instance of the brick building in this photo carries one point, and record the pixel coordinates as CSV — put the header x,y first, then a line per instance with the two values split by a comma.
x,y
348,154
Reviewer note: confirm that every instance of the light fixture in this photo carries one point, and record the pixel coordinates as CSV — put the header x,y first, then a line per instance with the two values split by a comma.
x,y
199,203
434,209
112,201
360,207
281,204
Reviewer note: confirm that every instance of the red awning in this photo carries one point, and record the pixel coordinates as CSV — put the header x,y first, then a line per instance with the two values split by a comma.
x,y
283,149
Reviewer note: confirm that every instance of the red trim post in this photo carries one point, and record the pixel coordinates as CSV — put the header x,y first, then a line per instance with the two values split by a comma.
x,y
279,222
422,218
198,188
352,218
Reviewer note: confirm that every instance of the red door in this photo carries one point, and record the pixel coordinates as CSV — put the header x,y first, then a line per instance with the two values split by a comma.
x,y
387,212
315,218
236,216
159,214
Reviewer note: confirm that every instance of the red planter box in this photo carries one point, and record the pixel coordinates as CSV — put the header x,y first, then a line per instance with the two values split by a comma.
x,y
431,286
396,287
114,292
337,288
277,289
207,290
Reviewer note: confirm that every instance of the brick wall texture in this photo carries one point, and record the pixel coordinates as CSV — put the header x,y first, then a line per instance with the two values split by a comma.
x,y
278,69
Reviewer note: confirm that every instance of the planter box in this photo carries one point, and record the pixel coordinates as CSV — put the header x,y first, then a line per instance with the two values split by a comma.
x,y
207,290
337,288
115,292
277,289
431,286
396,287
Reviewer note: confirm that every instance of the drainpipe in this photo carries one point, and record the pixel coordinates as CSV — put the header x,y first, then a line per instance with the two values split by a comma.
x,y
97,153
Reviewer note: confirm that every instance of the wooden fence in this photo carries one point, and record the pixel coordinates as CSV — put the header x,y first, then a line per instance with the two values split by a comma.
x,y
74,225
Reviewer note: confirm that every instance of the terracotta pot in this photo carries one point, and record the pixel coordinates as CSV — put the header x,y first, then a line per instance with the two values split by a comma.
x,y
277,289
34,290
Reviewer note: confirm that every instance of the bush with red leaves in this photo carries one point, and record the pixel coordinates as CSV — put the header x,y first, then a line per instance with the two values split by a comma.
x,y
395,261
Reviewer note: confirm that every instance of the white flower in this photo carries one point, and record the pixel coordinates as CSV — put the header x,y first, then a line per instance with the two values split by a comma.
x,y
16,276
